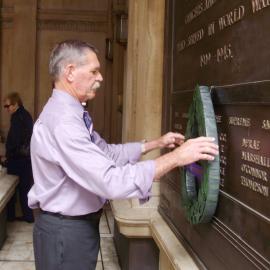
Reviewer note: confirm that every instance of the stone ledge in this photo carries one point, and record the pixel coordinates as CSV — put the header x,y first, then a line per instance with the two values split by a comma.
x,y
133,218
147,223
167,242
132,222
8,185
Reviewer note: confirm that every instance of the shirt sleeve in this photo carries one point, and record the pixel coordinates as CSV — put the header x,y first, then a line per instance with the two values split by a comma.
x,y
87,165
120,153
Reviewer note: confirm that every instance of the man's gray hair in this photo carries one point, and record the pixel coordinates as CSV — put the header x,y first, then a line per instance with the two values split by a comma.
x,y
68,52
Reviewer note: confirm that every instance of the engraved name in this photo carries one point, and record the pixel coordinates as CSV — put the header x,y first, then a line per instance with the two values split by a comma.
x,y
222,181
266,123
223,160
258,5
257,187
218,118
256,159
222,148
185,115
252,144
239,121
178,126
223,137
198,10
257,173
222,171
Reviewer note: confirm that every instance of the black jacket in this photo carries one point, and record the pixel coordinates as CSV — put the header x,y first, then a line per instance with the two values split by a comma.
x,y
19,134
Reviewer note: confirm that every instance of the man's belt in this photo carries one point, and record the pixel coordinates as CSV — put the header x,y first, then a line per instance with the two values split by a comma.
x,y
80,217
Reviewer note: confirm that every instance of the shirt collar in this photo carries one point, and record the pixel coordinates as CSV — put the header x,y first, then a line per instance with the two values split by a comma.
x,y
66,98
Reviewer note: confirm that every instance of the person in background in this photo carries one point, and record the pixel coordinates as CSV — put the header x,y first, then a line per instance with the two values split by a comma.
x,y
18,160
76,171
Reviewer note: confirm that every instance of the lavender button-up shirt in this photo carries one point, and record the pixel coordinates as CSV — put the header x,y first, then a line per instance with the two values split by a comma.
x,y
74,175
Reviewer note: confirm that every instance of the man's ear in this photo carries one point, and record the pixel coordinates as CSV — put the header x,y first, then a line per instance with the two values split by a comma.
x,y
69,72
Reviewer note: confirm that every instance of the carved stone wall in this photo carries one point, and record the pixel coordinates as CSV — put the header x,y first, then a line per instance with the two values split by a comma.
x,y
30,29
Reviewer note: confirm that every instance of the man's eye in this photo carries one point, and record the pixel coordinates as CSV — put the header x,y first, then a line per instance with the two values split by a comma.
x,y
94,72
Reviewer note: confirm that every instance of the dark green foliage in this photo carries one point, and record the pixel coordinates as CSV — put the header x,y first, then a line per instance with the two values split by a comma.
x,y
200,206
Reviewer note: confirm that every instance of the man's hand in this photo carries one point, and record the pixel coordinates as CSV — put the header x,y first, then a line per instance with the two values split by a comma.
x,y
169,140
202,148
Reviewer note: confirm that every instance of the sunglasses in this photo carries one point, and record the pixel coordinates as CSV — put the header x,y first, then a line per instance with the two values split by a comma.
x,y
6,106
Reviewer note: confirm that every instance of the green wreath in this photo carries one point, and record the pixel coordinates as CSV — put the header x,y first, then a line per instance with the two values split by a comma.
x,y
200,181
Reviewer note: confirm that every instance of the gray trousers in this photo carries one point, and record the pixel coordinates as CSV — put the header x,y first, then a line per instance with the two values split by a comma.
x,y
63,244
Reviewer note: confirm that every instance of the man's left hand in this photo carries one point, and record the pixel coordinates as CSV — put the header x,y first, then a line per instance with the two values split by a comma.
x,y
170,140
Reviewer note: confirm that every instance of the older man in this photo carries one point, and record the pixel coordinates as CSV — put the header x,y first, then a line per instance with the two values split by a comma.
x,y
75,170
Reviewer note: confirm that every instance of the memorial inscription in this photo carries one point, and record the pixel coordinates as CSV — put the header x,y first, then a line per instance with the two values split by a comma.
x,y
244,144
219,34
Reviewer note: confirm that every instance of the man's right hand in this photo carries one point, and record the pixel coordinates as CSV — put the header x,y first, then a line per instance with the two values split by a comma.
x,y
201,148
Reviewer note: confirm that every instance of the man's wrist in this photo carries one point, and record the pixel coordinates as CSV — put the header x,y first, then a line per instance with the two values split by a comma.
x,y
143,148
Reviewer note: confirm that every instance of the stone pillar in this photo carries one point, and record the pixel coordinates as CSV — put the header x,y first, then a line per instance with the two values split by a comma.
x,y
142,112
143,89
24,51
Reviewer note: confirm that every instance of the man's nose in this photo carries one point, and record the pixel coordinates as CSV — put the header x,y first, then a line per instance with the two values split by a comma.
x,y
99,77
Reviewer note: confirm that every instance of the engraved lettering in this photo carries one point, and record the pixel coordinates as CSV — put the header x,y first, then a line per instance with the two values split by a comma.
x,y
257,173
232,17
224,53
181,45
195,12
257,187
209,3
257,5
239,121
222,148
266,123
218,118
195,37
252,144
211,29
198,10
222,181
222,171
223,160
256,159
205,59
223,137
178,126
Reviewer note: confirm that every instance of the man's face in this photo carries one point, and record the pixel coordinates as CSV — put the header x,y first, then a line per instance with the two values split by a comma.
x,y
9,107
87,78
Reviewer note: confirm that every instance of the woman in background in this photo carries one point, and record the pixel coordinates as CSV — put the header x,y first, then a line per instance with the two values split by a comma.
x,y
18,154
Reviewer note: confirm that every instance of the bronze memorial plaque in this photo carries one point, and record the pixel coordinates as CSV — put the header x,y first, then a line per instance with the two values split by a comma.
x,y
226,46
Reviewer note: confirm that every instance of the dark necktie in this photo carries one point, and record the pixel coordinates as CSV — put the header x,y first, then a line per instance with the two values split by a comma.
x,y
88,123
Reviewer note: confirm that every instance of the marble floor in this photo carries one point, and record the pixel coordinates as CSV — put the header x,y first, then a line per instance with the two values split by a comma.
x,y
17,252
